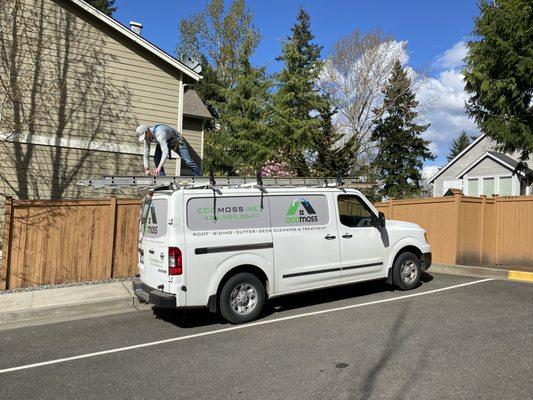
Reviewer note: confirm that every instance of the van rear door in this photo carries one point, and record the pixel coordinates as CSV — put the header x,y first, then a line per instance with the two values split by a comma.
x,y
153,241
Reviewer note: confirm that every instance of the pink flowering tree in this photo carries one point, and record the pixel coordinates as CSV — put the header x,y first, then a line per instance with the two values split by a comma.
x,y
278,169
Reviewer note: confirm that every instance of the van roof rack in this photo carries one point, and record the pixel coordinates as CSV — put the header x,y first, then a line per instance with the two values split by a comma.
x,y
202,182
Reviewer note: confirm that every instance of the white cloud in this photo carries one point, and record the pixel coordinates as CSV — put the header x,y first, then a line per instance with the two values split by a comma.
x,y
442,99
429,171
434,149
453,57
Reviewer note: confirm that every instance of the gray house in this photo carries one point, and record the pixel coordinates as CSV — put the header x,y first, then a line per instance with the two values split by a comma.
x,y
482,169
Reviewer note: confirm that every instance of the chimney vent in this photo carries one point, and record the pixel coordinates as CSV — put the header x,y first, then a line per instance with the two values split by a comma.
x,y
136,27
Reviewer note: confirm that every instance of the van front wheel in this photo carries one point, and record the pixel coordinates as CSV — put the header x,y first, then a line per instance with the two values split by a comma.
x,y
242,298
407,272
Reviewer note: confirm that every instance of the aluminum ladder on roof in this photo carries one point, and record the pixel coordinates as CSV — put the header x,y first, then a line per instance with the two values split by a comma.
x,y
191,182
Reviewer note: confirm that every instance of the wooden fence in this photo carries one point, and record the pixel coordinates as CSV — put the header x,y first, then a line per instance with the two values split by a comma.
x,y
49,242
66,241
495,231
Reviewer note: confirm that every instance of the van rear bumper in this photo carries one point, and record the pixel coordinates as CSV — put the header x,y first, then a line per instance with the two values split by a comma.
x,y
148,294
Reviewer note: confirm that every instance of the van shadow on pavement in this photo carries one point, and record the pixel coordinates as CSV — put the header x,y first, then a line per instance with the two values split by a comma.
x,y
194,318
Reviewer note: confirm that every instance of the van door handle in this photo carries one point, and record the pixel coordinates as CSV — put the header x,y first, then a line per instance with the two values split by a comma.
x,y
330,237
151,251
347,236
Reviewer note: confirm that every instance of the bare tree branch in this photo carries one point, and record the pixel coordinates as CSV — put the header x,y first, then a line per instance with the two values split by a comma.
x,y
354,75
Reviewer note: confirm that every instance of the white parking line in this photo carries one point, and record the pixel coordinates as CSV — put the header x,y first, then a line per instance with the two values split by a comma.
x,y
234,328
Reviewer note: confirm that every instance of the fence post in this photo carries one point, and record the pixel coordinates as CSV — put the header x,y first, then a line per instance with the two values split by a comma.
x,y
496,232
6,247
458,197
482,227
112,231
391,208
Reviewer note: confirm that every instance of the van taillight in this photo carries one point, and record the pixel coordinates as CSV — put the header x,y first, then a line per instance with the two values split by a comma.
x,y
175,261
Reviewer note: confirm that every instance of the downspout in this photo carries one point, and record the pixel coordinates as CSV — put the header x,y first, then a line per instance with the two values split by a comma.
x,y
180,120
202,142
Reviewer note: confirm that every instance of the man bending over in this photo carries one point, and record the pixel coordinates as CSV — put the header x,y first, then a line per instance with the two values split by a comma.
x,y
166,138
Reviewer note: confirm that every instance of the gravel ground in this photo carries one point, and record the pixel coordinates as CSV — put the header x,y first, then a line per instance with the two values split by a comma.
x,y
63,285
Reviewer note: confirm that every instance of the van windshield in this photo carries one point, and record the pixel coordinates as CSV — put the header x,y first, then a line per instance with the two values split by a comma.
x,y
153,218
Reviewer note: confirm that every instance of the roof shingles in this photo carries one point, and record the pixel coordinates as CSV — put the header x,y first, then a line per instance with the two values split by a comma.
x,y
194,106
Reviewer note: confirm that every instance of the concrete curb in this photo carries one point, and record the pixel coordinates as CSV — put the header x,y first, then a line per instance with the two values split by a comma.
x,y
466,270
61,304
67,310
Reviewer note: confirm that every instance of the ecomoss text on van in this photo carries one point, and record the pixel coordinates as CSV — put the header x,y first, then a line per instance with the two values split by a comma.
x,y
233,249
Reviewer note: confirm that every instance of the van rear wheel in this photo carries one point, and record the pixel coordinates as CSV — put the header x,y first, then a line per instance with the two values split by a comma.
x,y
407,271
242,298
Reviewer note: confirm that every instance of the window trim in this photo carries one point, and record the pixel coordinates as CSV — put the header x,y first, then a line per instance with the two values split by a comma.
x,y
515,184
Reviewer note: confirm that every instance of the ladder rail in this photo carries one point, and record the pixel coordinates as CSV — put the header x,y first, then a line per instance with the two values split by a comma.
x,y
200,182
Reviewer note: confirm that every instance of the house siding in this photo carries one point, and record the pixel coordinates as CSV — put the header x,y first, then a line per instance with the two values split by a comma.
x,y
488,167
107,85
103,84
192,132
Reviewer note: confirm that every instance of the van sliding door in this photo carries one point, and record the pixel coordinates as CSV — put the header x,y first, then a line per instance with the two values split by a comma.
x,y
306,245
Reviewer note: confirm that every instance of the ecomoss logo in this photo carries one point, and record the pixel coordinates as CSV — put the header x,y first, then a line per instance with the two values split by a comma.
x,y
151,220
301,211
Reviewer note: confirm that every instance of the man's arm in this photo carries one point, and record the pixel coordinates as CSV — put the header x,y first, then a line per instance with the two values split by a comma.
x,y
162,140
146,154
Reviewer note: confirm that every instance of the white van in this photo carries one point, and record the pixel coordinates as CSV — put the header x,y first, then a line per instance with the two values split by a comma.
x,y
231,249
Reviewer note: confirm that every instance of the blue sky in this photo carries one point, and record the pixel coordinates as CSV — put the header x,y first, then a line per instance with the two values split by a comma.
x,y
434,31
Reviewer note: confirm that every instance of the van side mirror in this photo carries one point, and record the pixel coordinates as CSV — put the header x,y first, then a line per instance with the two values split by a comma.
x,y
379,222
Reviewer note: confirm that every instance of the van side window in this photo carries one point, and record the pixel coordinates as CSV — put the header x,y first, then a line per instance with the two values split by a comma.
x,y
353,213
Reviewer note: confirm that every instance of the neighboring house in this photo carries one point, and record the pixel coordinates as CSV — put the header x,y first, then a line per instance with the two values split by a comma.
x,y
481,169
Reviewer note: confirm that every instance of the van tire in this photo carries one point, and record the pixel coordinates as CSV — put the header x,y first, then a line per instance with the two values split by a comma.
x,y
406,271
252,293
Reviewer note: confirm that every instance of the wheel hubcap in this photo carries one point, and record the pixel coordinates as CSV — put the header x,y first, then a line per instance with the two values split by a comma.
x,y
243,299
408,271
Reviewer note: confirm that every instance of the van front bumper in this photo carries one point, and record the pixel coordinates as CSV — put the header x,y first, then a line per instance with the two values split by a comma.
x,y
148,294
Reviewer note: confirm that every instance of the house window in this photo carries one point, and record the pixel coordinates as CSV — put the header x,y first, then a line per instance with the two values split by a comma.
x,y
506,186
488,186
472,187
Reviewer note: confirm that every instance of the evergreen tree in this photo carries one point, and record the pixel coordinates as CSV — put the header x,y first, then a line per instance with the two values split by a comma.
x,y
331,156
238,95
106,6
459,144
401,149
209,87
244,141
297,99
499,74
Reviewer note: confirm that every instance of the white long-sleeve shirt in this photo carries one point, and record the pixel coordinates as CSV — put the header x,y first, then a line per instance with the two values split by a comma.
x,y
161,134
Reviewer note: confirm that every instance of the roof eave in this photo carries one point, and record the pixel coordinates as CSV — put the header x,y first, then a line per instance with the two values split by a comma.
x,y
440,171
198,116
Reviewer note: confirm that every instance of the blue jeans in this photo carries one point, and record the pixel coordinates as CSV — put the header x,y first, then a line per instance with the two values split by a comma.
x,y
183,152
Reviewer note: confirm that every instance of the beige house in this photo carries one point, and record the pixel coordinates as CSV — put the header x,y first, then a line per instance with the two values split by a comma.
x,y
81,83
